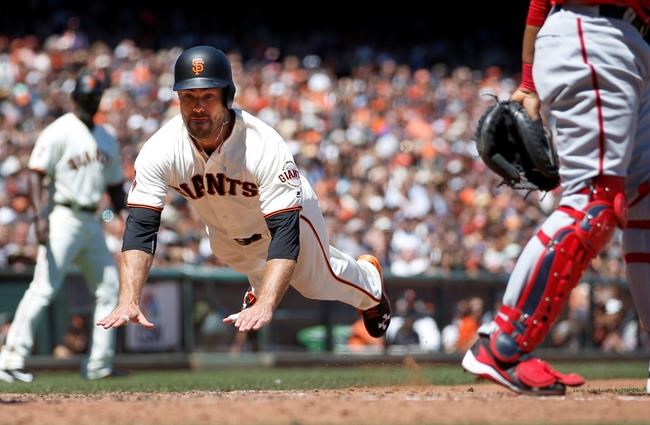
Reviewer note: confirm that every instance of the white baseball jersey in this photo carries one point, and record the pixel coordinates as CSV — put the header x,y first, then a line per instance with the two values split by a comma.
x,y
82,162
250,177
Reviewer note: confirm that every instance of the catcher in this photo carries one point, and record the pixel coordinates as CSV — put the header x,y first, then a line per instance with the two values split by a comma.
x,y
591,71
518,149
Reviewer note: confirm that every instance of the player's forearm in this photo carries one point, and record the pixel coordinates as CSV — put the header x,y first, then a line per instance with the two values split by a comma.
x,y
528,45
35,181
538,10
527,55
276,281
134,269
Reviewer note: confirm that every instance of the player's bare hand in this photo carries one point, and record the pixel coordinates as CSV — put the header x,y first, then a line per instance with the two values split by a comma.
x,y
252,318
529,100
123,314
42,228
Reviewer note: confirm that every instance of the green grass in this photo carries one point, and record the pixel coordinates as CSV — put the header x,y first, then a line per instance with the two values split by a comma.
x,y
291,378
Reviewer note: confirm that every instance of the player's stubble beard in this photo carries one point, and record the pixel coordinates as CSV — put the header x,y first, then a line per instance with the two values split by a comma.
x,y
211,132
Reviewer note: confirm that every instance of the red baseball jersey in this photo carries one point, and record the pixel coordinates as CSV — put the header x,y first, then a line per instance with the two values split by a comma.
x,y
538,9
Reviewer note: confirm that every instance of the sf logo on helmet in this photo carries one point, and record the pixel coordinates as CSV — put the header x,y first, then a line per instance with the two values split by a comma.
x,y
90,83
197,65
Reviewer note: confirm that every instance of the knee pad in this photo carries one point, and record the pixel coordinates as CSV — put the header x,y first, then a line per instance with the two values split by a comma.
x,y
556,272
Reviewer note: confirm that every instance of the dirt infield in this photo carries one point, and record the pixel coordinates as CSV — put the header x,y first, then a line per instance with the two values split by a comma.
x,y
598,402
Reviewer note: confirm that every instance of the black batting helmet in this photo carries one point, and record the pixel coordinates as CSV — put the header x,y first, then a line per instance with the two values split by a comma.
x,y
88,89
88,84
203,67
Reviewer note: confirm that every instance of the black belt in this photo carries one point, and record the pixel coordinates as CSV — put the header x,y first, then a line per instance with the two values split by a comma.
x,y
75,207
619,12
247,241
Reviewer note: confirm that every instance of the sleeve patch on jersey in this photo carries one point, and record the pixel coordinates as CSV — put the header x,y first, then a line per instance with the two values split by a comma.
x,y
290,174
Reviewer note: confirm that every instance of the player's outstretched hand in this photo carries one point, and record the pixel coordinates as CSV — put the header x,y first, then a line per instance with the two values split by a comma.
x,y
252,318
124,314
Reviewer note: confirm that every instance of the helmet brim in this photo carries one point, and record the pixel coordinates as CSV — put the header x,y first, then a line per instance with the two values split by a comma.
x,y
200,83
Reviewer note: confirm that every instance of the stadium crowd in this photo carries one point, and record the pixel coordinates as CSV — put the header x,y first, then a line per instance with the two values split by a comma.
x,y
388,148
384,136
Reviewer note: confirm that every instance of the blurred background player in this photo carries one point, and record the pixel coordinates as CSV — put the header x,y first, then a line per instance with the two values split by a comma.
x,y
81,161
591,68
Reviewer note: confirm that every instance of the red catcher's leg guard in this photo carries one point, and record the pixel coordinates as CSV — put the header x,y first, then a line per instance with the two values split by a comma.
x,y
567,253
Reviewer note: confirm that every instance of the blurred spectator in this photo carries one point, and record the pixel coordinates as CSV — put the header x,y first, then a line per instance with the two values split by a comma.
x,y
75,339
361,341
607,325
406,334
409,303
461,333
471,313
572,332
413,324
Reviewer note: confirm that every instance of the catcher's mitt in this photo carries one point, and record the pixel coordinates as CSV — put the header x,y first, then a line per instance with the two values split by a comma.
x,y
517,148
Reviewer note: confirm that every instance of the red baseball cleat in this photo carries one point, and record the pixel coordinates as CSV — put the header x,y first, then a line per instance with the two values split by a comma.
x,y
529,375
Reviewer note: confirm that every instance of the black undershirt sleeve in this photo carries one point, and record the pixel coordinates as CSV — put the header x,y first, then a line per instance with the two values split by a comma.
x,y
141,230
285,235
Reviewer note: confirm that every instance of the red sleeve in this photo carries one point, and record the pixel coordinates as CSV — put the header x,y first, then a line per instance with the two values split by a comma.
x,y
537,12
527,78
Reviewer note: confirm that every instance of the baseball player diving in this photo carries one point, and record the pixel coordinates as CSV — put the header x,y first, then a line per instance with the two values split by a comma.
x,y
81,160
588,62
261,215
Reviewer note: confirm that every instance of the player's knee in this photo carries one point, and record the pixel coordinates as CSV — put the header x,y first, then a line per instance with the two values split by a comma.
x,y
610,190
606,210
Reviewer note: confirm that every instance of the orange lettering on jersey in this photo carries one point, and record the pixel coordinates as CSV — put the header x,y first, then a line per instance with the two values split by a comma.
x,y
197,65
